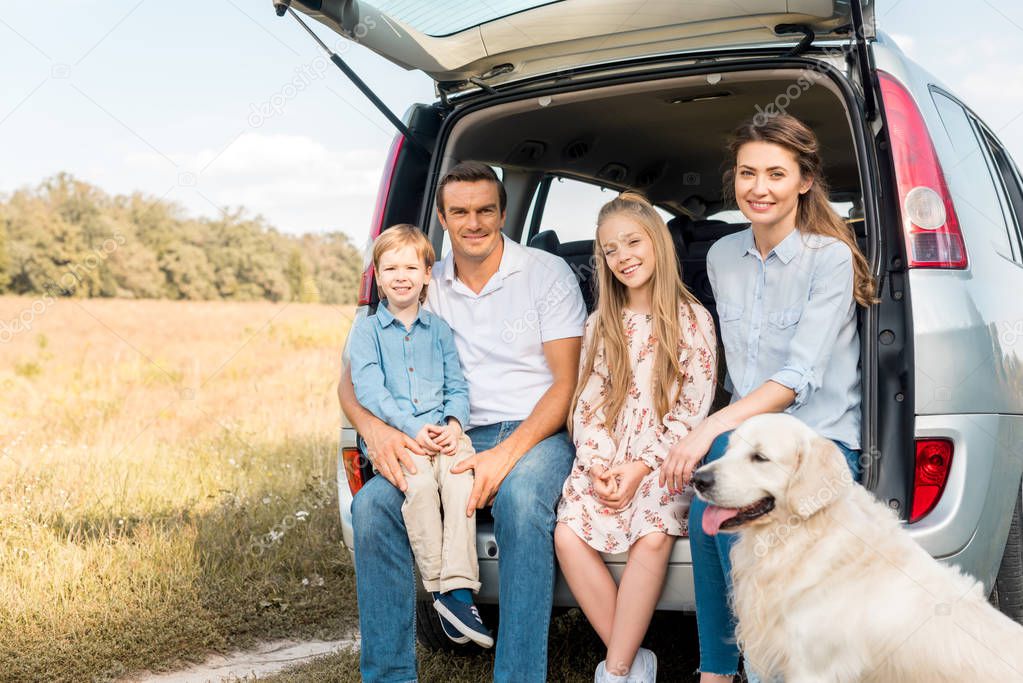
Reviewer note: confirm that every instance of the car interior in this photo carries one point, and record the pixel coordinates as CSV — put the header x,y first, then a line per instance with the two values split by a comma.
x,y
666,139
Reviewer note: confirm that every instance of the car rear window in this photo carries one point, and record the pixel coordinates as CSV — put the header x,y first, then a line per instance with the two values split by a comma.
x,y
444,17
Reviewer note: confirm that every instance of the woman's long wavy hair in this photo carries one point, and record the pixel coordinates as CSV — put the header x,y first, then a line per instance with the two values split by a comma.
x,y
815,216
668,293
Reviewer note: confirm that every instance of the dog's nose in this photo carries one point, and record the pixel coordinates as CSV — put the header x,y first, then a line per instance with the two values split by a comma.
x,y
703,479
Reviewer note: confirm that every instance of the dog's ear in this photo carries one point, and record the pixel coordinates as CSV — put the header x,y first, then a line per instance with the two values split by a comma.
x,y
821,477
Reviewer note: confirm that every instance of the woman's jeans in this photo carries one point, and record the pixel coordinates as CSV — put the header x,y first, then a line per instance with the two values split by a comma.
x,y
712,574
524,515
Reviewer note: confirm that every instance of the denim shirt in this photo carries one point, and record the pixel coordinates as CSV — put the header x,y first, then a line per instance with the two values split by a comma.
x,y
791,318
411,377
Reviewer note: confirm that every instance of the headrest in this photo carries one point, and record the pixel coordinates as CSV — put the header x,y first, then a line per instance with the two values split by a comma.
x,y
547,240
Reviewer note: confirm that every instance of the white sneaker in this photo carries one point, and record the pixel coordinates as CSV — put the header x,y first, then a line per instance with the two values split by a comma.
x,y
644,667
601,675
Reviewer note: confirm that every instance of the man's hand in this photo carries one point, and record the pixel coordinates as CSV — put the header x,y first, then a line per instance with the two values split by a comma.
x,y
626,478
684,456
388,451
490,468
447,437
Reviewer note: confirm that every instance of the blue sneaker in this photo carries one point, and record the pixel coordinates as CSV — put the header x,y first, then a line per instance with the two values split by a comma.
x,y
465,618
449,629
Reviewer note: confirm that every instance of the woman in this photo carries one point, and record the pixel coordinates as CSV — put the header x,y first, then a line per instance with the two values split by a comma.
x,y
786,290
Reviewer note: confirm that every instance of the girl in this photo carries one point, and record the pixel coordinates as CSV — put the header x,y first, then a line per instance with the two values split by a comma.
x,y
786,291
647,378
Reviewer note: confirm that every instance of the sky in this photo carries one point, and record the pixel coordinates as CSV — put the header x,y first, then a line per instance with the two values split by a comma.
x,y
220,104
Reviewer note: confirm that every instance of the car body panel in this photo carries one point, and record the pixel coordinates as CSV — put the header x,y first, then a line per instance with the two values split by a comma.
x,y
968,374
560,36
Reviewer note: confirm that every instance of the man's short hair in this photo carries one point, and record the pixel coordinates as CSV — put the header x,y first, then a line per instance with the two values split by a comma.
x,y
471,172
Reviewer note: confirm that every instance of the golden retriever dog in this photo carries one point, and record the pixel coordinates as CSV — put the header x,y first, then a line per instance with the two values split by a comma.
x,y
828,586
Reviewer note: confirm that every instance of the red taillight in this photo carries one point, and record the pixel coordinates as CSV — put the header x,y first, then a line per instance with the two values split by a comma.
x,y
352,459
376,224
929,221
366,285
933,462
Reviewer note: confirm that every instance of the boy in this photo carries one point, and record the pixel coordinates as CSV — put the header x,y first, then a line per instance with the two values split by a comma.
x,y
405,370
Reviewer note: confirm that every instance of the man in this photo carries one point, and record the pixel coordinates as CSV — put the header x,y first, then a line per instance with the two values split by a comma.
x,y
518,316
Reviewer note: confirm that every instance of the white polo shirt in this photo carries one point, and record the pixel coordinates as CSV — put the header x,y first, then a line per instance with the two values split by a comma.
x,y
533,298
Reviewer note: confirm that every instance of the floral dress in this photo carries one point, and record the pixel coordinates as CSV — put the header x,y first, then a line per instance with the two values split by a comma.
x,y
638,433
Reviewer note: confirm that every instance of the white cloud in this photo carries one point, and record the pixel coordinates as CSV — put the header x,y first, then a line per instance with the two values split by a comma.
x,y
295,181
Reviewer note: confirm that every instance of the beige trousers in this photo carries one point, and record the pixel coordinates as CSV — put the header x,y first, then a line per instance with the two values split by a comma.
x,y
444,547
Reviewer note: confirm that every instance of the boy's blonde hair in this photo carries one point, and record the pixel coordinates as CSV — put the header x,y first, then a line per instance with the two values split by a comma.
x,y
404,235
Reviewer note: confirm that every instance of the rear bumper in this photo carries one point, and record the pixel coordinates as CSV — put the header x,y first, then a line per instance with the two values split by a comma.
x,y
970,523
967,528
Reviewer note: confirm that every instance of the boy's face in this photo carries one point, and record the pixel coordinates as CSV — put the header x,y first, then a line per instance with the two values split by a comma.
x,y
401,275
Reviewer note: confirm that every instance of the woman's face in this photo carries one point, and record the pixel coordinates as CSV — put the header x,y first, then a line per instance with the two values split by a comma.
x,y
628,251
768,184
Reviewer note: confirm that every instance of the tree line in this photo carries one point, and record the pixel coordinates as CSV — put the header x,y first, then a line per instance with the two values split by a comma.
x,y
66,237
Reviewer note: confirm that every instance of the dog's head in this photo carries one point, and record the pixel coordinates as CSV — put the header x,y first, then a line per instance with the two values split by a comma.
x,y
775,467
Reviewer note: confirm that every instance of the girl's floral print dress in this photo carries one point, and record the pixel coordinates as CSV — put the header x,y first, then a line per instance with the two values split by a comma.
x,y
638,434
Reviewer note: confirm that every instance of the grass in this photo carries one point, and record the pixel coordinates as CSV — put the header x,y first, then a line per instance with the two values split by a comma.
x,y
166,483
573,654
167,490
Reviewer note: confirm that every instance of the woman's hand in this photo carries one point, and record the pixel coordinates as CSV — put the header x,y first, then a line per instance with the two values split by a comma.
x,y
684,456
625,479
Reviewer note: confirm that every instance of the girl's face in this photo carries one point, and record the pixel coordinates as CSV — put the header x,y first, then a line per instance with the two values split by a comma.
x,y
768,184
628,251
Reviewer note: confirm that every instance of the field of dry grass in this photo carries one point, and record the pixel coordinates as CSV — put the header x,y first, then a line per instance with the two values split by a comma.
x,y
166,482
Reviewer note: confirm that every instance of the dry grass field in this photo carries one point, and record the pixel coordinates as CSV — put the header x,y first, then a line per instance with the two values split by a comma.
x,y
167,490
166,482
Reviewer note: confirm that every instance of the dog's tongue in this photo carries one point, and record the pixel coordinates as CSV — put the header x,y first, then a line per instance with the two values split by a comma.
x,y
714,517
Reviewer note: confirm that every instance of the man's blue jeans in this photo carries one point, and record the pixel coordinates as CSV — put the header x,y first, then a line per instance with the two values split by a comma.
x,y
712,574
524,515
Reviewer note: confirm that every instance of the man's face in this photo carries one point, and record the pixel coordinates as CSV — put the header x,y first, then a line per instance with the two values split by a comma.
x,y
473,218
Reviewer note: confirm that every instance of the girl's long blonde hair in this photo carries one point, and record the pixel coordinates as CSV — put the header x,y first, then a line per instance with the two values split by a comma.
x,y
815,215
668,293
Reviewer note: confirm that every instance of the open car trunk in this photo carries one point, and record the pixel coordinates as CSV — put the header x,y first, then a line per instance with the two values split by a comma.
x,y
665,136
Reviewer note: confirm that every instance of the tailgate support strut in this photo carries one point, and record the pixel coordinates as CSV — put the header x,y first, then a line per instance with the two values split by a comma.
x,y
863,60
361,85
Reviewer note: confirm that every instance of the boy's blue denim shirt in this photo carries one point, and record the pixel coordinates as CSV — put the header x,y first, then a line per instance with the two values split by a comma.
x,y
408,378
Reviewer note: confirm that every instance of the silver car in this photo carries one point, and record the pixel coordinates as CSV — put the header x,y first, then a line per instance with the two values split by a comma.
x,y
566,99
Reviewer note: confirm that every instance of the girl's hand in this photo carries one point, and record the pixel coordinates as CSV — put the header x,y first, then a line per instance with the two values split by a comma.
x,y
603,485
627,477
684,456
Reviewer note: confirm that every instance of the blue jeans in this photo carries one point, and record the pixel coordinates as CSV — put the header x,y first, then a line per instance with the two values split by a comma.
x,y
524,515
712,574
